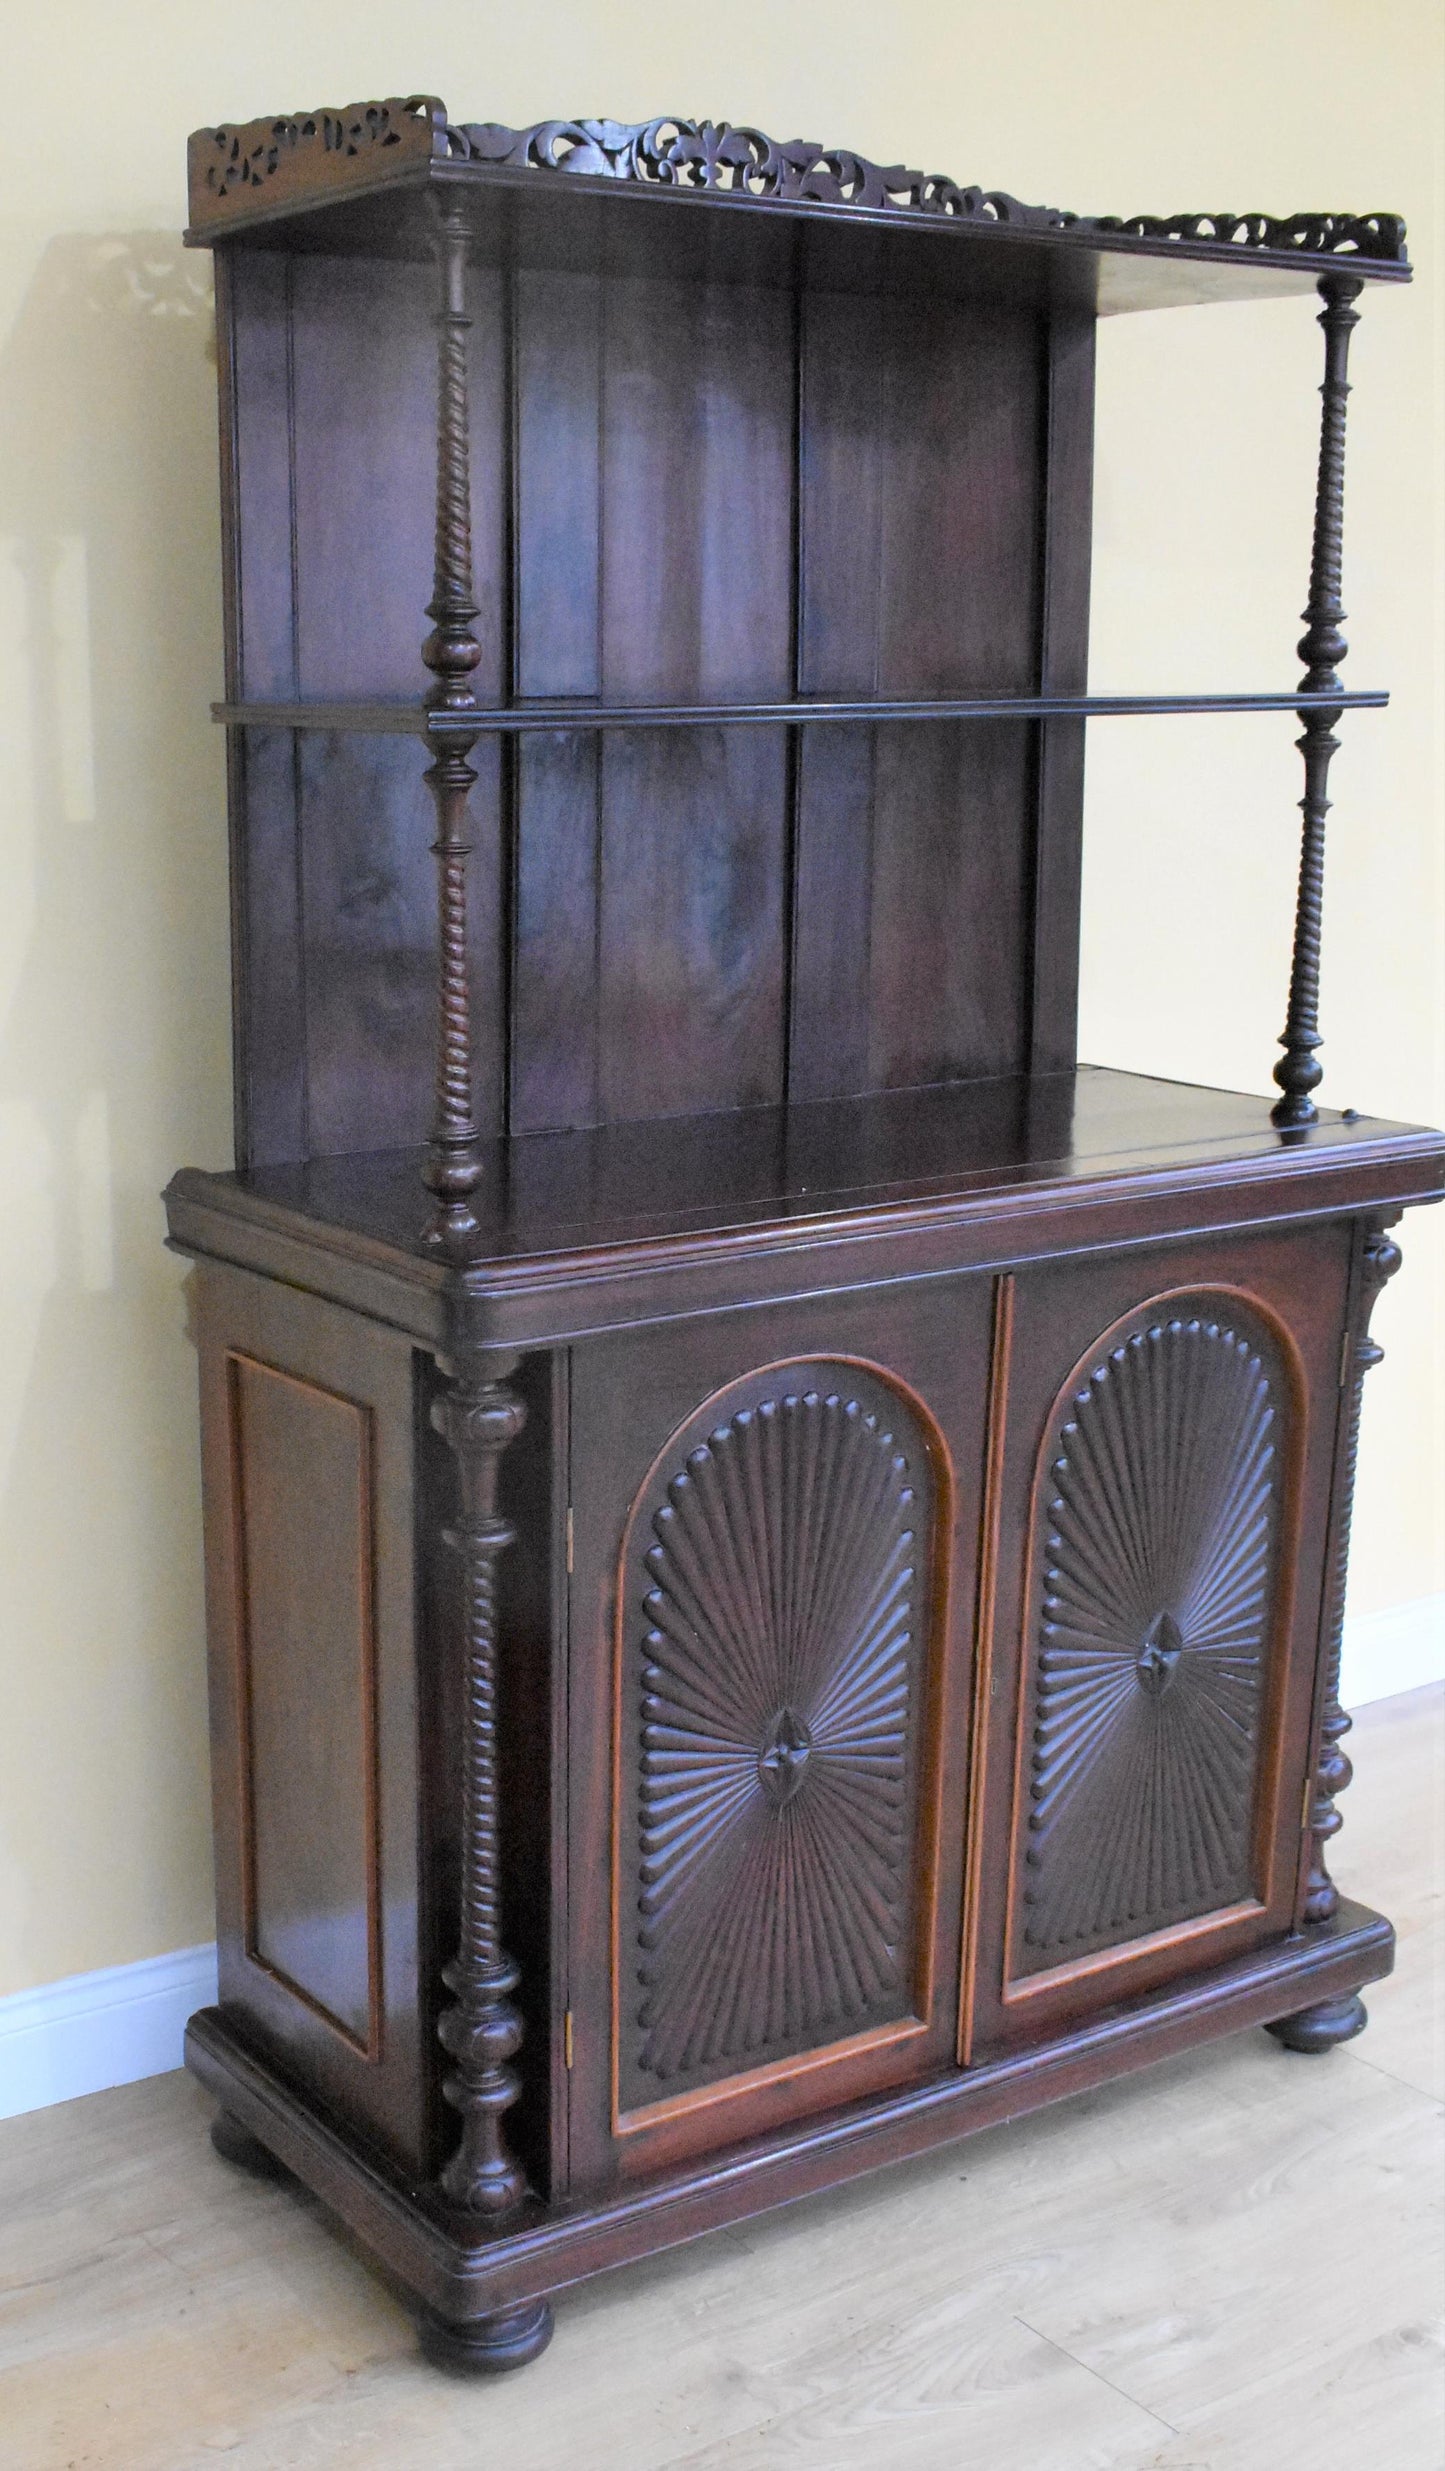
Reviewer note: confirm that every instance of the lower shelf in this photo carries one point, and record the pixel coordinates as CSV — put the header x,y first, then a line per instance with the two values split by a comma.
x,y
459,2274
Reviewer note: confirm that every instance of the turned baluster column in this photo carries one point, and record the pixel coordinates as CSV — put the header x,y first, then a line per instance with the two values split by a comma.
x,y
1321,648
481,2030
1379,1260
451,652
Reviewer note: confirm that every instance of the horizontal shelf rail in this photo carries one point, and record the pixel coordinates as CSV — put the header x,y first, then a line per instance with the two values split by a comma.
x,y
414,719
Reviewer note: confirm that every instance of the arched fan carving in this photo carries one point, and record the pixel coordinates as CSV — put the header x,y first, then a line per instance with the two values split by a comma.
x,y
1160,1511
773,1605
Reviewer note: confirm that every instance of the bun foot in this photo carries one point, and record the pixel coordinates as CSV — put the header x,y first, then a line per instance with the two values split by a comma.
x,y
1320,2028
487,2345
237,2145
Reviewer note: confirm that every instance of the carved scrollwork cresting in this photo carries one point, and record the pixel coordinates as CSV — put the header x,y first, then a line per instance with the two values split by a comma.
x,y
742,162
318,151
481,2030
293,154
451,653
1379,236
1322,647
1379,1260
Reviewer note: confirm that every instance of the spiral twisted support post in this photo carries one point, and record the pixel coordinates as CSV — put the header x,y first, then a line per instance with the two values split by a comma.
x,y
1321,648
451,652
1330,2022
1378,1260
481,2031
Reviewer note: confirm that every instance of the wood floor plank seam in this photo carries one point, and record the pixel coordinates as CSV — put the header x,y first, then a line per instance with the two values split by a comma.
x,y
1089,2370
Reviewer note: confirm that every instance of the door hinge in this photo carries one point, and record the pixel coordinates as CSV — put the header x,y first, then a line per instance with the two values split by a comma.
x,y
567,2039
1306,1815
1347,1357
569,1541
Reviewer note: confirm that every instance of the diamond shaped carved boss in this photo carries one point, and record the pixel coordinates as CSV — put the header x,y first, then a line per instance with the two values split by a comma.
x,y
1158,1511
776,1595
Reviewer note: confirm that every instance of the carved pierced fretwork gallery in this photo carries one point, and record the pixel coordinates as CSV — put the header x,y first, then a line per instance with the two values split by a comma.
x,y
314,148
776,1547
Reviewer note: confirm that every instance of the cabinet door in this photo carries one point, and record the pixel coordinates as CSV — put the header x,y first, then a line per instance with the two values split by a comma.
x,y
774,1519
1162,1455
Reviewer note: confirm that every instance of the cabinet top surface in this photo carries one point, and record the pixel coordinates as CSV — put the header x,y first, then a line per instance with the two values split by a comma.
x,y
967,1170
354,180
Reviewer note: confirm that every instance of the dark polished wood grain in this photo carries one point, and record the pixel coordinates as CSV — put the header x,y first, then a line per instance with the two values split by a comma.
x,y
775,1546
585,1231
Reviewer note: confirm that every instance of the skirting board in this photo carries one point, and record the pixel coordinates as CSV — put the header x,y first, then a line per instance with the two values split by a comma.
x,y
99,2029
110,2028
1386,1653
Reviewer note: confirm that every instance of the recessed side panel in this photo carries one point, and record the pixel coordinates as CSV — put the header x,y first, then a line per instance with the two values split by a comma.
x,y
306,1579
307,1459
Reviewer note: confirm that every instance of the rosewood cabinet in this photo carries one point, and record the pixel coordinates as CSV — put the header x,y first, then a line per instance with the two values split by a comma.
x,y
775,1544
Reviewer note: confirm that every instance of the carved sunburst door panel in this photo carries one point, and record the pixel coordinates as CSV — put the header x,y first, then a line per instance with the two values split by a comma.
x,y
1154,1635
775,1677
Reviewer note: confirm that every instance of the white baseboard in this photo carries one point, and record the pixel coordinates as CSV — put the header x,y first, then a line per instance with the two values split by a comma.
x,y
99,2029
1402,1648
109,2028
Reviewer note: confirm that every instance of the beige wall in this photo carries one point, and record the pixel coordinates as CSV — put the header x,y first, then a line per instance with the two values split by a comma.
x,y
113,1067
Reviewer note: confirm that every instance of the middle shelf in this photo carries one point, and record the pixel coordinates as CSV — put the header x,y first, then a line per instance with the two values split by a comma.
x,y
399,718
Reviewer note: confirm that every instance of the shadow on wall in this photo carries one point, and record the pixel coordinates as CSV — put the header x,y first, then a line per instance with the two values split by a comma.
x,y
113,1068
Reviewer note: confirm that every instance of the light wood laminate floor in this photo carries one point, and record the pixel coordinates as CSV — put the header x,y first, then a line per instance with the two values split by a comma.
x,y
1229,2263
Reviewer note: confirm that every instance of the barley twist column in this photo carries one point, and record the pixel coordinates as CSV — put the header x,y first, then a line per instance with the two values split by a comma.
x,y
1379,1260
481,2030
451,652
1321,648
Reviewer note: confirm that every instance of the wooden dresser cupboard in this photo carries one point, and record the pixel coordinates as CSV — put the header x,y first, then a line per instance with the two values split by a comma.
x,y
776,1546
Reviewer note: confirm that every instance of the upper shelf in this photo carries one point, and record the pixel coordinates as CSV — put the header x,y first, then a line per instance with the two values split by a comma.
x,y
567,192
416,719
